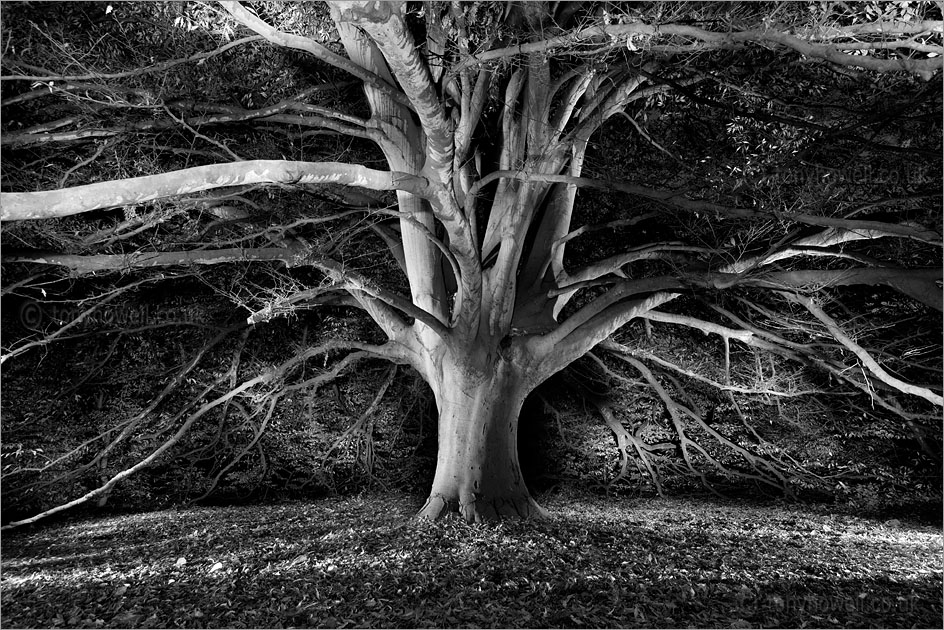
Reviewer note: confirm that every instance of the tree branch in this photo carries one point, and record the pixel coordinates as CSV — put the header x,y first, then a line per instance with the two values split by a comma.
x,y
614,264
209,114
158,67
677,199
74,324
305,44
862,354
141,260
919,284
79,199
270,377
384,23
617,35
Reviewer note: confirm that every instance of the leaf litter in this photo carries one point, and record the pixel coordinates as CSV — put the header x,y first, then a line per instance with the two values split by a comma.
x,y
361,562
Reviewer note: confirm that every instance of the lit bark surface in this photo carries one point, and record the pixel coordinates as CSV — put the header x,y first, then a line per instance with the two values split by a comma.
x,y
477,470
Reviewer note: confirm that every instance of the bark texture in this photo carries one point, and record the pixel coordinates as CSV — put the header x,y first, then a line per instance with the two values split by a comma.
x,y
477,469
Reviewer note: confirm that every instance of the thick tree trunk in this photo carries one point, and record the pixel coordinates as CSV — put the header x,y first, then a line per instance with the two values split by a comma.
x,y
477,470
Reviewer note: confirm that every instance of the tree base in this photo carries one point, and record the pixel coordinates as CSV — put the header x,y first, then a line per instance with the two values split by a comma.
x,y
483,509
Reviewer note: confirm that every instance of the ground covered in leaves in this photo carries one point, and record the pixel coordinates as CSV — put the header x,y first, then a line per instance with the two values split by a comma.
x,y
360,562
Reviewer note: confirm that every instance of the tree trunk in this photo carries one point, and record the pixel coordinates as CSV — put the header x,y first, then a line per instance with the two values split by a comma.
x,y
477,470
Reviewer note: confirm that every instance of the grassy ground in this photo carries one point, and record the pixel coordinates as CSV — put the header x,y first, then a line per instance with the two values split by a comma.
x,y
359,562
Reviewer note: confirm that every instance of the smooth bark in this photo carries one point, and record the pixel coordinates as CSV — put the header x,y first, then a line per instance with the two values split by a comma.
x,y
477,470
110,194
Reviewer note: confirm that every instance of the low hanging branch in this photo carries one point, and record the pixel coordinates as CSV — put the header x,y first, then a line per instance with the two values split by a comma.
x,y
812,354
147,461
764,471
644,457
361,429
862,354
272,378
76,323
126,427
258,431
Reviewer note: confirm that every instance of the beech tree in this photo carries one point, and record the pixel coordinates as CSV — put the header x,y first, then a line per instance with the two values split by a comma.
x,y
527,237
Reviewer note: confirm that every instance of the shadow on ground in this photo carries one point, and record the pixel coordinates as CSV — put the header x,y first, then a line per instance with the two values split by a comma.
x,y
361,562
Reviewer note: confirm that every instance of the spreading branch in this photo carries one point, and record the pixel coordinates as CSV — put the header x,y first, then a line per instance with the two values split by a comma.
x,y
812,44
862,354
80,265
111,194
46,75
